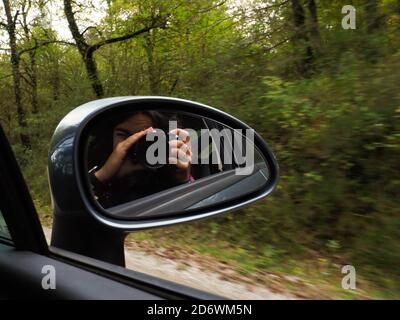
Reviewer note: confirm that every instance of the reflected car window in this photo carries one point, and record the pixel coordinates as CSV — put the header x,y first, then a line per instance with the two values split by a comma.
x,y
137,154
4,232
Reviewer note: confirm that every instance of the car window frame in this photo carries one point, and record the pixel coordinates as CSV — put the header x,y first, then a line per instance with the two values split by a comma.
x,y
20,216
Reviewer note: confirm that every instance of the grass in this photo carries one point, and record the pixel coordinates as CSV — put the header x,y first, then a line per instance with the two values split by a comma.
x,y
297,269
294,267
310,275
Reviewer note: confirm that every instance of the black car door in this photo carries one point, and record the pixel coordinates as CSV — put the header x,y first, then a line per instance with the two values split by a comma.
x,y
27,263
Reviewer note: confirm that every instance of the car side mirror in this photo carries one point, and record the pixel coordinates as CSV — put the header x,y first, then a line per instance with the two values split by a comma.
x,y
128,163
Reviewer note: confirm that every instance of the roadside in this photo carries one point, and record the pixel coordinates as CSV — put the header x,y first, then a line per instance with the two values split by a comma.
x,y
191,272
219,279
208,273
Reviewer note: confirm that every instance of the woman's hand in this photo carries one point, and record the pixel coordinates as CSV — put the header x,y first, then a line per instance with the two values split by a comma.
x,y
116,163
180,154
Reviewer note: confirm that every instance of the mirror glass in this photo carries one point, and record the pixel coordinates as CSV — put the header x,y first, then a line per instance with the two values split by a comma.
x,y
152,163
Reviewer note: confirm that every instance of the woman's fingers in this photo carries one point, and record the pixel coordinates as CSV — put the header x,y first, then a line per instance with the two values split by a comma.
x,y
178,144
180,153
131,140
182,134
117,157
180,158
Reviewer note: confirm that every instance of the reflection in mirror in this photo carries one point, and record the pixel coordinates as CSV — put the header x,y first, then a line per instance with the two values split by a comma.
x,y
152,163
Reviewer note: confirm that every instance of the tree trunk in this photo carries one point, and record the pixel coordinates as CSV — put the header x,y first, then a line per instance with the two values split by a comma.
x,y
314,26
15,61
32,58
373,21
84,50
33,76
299,18
372,16
55,83
300,39
91,68
154,81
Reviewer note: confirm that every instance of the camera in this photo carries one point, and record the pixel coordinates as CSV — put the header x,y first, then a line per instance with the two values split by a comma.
x,y
137,152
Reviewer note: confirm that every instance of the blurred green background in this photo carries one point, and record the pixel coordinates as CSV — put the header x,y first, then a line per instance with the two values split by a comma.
x,y
326,99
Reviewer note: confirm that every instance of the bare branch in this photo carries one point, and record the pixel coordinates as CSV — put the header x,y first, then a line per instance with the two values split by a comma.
x,y
205,10
131,35
15,17
270,48
6,76
91,27
45,43
275,5
26,79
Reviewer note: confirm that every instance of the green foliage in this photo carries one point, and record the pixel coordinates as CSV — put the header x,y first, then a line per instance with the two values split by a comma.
x,y
334,128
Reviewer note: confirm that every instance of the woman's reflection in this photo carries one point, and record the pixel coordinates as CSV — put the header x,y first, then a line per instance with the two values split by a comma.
x,y
124,174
